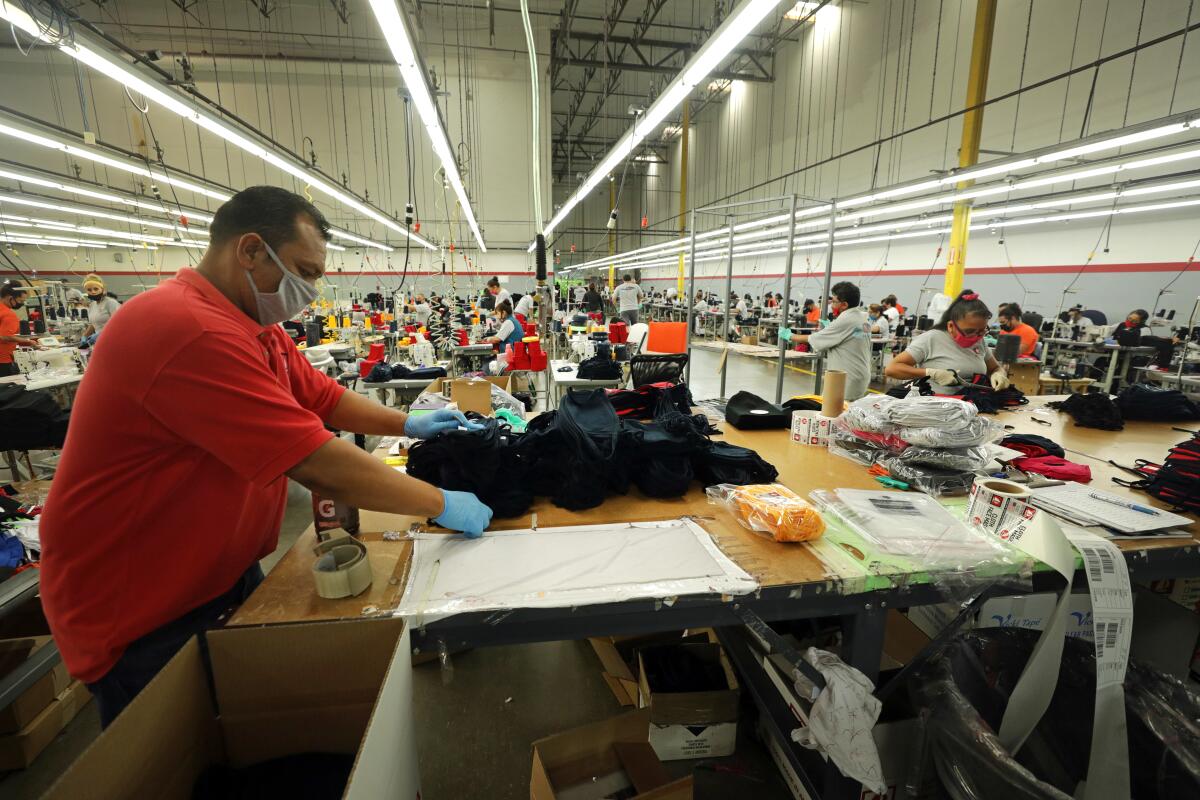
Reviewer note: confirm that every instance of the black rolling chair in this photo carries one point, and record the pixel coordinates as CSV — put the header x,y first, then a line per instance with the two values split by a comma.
x,y
645,369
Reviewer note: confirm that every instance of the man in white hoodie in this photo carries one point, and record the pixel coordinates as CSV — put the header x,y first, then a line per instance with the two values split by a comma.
x,y
846,340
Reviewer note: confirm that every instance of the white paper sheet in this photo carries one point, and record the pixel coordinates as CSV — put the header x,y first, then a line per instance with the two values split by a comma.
x,y
569,566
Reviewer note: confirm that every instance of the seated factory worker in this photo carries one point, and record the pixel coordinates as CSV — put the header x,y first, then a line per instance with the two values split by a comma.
x,y
845,342
100,307
186,427
880,326
1077,321
422,310
952,352
812,313
510,331
1010,322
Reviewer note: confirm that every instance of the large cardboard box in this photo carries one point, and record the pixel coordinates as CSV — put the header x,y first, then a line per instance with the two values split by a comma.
x,y
1029,611
690,724
331,687
35,699
475,393
18,750
599,760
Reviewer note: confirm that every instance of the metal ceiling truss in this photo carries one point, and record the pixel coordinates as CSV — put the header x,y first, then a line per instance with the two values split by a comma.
x,y
587,151
669,59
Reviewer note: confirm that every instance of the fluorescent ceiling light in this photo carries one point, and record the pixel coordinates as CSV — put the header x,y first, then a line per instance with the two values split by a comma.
x,y
801,10
740,22
84,211
193,216
34,239
395,31
79,47
142,240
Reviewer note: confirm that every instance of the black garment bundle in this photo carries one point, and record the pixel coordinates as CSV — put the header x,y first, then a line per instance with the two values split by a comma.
x,y
1143,401
30,420
646,401
598,368
579,453
1092,411
382,373
749,412
1175,481
991,401
1032,445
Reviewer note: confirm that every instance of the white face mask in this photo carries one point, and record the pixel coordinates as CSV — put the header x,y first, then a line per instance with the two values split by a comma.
x,y
288,300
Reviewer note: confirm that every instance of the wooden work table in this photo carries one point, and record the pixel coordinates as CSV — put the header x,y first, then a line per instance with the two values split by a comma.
x,y
288,594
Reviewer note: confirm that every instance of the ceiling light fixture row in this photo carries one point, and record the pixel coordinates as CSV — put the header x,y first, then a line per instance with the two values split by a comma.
x,y
92,54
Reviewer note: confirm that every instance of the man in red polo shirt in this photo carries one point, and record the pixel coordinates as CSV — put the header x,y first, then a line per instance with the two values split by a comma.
x,y
185,429
12,297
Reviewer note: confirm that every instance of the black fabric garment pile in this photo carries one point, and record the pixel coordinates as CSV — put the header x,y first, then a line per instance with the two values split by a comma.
x,y
1092,411
483,462
597,368
646,401
749,412
30,420
306,776
802,404
1033,446
1143,401
990,401
579,453
382,373
1175,481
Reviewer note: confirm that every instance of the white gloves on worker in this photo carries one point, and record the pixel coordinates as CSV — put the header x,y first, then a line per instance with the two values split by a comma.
x,y
942,377
1000,379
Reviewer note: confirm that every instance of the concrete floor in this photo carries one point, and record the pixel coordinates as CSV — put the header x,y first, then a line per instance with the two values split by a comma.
x,y
476,730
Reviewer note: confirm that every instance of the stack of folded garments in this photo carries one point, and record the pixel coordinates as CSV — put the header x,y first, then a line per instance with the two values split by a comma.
x,y
931,443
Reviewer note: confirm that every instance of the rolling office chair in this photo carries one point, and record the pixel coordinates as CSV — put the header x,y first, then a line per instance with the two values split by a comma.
x,y
657,368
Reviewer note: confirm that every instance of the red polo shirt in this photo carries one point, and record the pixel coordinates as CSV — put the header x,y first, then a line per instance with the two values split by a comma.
x,y
172,482
10,325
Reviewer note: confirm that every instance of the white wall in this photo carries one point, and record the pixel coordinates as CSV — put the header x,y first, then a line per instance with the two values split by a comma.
x,y
290,100
867,70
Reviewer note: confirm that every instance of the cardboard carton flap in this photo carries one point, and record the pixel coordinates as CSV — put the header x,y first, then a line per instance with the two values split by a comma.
x,y
642,766
150,751
593,740
313,665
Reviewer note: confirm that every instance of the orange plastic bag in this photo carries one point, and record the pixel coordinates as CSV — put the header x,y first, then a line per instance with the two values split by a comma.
x,y
770,509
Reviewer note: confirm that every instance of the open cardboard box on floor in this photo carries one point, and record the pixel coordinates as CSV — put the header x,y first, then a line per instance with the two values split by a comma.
x,y
29,724
601,759
35,699
327,687
690,724
618,657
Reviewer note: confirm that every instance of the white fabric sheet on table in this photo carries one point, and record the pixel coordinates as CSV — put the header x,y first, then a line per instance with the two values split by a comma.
x,y
567,566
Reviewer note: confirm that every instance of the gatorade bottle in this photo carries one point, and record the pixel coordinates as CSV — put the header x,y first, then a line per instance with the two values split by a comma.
x,y
329,514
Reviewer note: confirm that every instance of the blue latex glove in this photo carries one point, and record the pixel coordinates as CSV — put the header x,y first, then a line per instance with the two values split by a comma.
x,y
785,334
464,512
426,426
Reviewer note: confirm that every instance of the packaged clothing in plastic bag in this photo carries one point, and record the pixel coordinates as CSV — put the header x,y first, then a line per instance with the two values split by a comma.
x,y
930,412
977,431
870,414
770,509
968,459
936,481
861,446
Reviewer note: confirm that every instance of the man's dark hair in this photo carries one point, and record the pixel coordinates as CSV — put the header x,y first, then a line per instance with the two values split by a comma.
x,y
1142,313
9,289
847,292
1011,311
269,211
626,277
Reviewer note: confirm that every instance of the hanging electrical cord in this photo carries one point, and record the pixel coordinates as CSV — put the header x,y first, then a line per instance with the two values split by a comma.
x,y
537,127
1186,266
408,207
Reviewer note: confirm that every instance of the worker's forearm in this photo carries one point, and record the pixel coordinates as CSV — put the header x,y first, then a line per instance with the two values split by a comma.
x,y
357,414
905,372
340,471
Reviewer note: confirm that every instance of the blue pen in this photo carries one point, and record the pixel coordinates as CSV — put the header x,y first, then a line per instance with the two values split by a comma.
x,y
1123,504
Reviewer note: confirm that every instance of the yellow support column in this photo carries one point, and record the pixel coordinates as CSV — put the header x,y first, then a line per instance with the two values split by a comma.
x,y
612,237
683,176
968,151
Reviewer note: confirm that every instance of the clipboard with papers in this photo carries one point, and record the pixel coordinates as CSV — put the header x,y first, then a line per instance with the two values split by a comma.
x,y
1087,506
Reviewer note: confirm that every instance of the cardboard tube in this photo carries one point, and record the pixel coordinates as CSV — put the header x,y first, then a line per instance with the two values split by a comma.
x,y
833,398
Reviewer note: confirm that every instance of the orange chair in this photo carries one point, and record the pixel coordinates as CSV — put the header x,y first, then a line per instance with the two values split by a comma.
x,y
666,337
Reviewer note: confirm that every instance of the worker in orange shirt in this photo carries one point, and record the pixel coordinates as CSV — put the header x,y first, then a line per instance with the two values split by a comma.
x,y
12,297
1010,322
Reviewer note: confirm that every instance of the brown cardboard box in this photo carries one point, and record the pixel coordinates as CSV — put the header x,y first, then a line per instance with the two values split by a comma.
x,y
21,712
618,657
472,391
606,757
750,340
280,690
18,750
691,724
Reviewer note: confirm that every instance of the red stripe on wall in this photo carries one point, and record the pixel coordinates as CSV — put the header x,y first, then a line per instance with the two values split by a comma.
x,y
1151,266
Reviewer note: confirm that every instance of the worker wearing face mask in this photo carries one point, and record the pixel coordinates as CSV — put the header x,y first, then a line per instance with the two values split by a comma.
x,y
1010,322
12,297
953,352
187,424
845,341
100,307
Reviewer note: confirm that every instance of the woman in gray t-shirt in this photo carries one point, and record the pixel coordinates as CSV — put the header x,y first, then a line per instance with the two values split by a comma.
x,y
953,352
